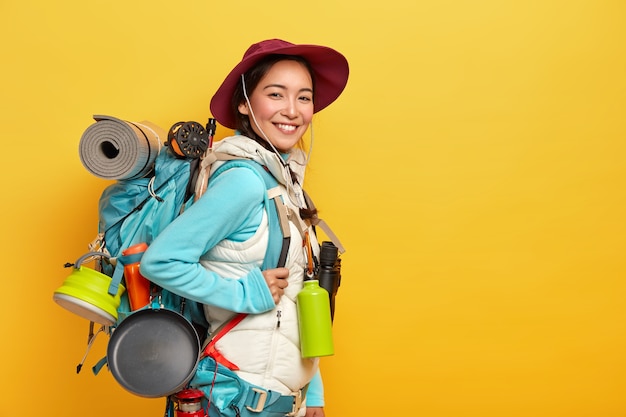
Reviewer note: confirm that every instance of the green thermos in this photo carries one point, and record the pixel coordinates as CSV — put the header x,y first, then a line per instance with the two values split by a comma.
x,y
316,336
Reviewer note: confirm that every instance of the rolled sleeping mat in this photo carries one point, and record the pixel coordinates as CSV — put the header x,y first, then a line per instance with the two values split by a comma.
x,y
116,149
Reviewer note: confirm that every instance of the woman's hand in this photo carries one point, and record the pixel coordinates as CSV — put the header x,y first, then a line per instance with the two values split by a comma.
x,y
276,280
314,412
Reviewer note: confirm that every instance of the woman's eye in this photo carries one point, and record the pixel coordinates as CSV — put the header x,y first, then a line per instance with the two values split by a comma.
x,y
306,99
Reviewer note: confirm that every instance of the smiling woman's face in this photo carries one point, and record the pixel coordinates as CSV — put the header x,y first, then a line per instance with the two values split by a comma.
x,y
282,104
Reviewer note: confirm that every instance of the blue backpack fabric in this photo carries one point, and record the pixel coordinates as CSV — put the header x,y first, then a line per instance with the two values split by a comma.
x,y
137,210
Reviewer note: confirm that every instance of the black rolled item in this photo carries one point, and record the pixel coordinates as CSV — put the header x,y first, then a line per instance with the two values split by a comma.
x,y
188,139
329,274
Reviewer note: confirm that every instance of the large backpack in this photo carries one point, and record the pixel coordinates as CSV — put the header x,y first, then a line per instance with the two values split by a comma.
x,y
136,210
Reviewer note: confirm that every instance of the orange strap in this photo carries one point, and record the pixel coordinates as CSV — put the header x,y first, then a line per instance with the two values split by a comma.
x,y
309,253
211,350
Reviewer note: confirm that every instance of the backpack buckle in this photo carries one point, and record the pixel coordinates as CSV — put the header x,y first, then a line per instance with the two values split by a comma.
x,y
297,403
260,404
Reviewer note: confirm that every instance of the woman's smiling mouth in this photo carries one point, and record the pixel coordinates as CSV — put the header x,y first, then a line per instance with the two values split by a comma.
x,y
286,128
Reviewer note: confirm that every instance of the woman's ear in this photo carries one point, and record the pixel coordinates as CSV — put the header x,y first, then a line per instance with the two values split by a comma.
x,y
243,108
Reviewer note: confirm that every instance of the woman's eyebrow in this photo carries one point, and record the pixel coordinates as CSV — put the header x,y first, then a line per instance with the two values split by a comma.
x,y
307,89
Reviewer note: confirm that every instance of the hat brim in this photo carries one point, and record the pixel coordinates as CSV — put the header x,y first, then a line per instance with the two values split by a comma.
x,y
330,70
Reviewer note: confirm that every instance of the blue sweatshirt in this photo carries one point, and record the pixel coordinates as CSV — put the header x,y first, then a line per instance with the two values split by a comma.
x,y
232,208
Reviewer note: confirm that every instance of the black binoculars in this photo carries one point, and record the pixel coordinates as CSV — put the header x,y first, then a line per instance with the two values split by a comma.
x,y
329,272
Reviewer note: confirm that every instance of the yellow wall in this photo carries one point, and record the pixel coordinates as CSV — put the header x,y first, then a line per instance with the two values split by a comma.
x,y
474,168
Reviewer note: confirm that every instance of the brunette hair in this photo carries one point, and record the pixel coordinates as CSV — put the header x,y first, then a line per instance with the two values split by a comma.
x,y
252,78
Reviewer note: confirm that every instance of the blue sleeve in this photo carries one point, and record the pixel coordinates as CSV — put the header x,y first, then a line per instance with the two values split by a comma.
x,y
315,392
173,258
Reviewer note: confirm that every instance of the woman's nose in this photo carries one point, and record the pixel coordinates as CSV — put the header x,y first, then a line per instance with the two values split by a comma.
x,y
290,109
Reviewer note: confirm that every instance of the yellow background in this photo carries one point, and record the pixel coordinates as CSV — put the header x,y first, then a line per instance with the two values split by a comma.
x,y
474,169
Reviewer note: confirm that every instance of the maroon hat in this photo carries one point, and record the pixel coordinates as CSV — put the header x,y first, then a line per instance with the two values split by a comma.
x,y
330,70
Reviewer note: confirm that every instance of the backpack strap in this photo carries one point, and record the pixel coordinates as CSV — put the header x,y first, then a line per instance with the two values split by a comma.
x,y
203,173
276,254
316,221
283,220
211,350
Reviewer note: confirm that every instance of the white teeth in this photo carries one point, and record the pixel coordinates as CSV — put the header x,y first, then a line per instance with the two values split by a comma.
x,y
289,128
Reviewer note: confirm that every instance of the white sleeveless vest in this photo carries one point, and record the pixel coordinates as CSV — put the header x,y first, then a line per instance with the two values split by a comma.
x,y
265,347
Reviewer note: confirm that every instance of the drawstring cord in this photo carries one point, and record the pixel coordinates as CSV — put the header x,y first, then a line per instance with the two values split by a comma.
x,y
211,389
151,190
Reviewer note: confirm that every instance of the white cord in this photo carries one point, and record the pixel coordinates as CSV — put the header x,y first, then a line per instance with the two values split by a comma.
x,y
151,190
288,179
245,94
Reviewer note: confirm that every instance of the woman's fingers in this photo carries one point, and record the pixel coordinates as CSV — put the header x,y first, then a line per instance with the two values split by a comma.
x,y
276,280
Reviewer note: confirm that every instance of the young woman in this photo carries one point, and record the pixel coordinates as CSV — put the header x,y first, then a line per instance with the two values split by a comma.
x,y
213,253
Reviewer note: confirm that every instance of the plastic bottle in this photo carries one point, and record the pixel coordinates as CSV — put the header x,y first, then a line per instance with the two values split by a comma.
x,y
137,285
315,325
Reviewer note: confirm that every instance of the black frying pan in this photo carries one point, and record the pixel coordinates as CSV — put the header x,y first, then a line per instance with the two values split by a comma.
x,y
153,352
